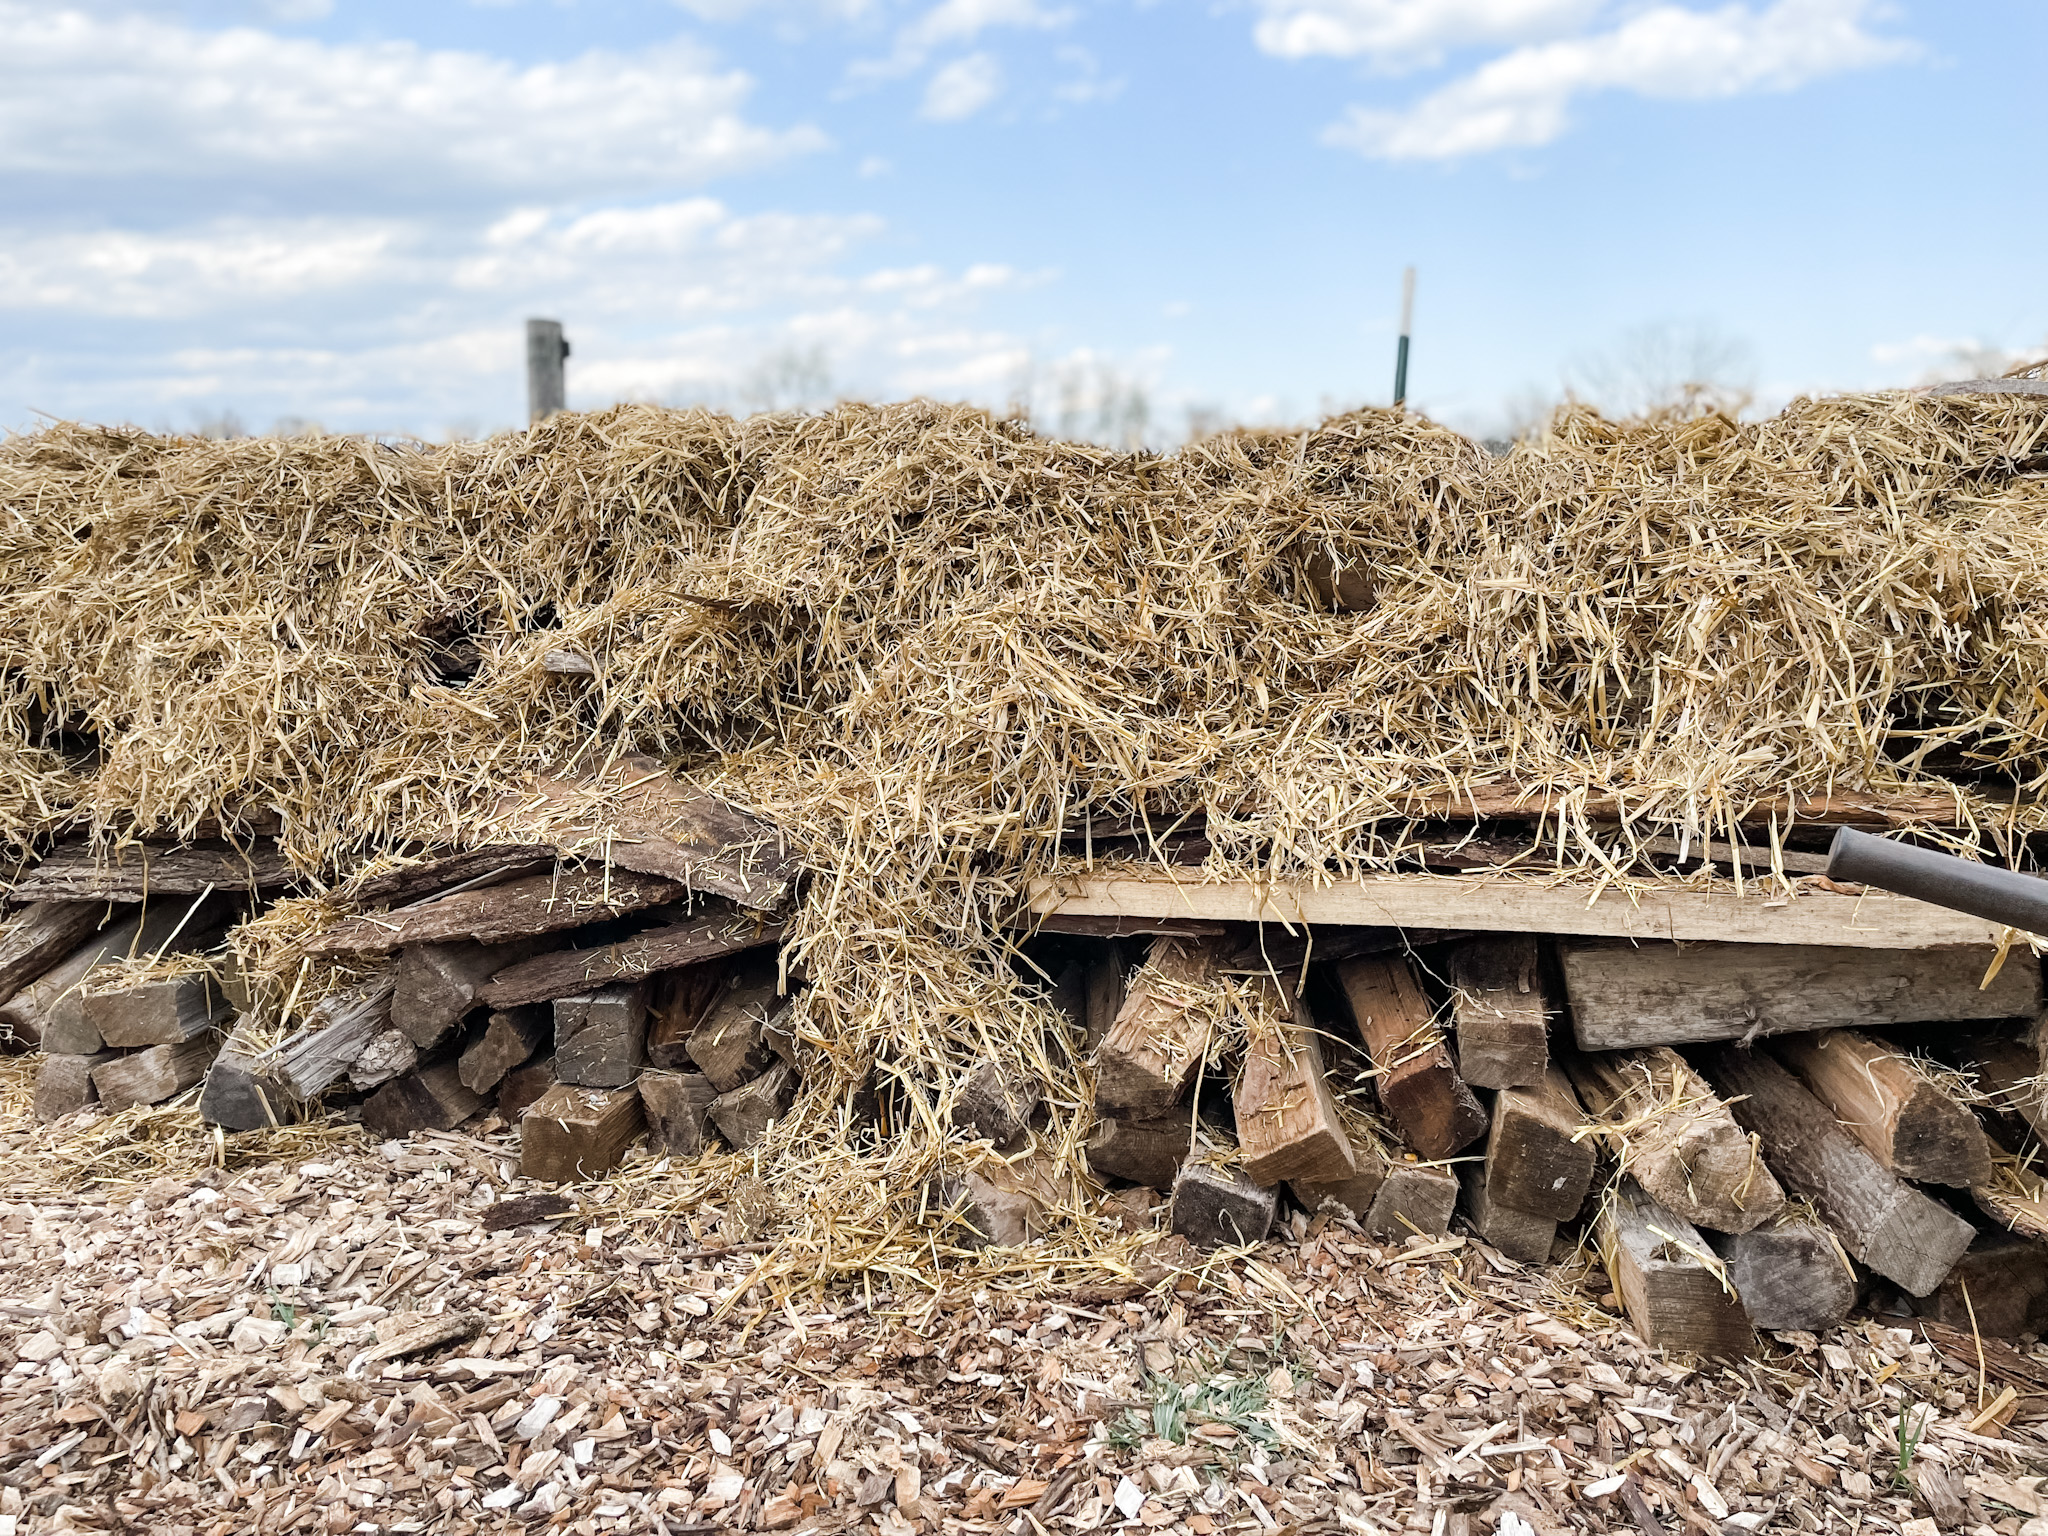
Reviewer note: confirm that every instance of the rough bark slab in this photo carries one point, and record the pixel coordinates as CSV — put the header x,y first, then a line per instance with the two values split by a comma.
x,y
1213,1207
564,972
578,1133
510,1037
153,1075
744,1114
64,1084
164,1012
1909,1122
1500,1013
1149,1055
1999,1288
732,1043
1789,1274
497,914
1535,1159
42,934
1905,1236
1665,994
437,985
601,1037
1520,1235
1145,1150
1418,1087
1670,1132
429,1100
1288,1126
145,871
427,878
996,1103
1656,1260
678,1108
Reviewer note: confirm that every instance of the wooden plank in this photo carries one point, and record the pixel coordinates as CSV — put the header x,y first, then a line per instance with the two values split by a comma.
x,y
601,1036
1126,927
579,1133
1901,1233
564,972
634,814
64,1084
1418,1087
1536,1160
1520,1235
425,878
1667,1278
1149,1056
1891,1104
1500,1012
1789,1274
153,1075
510,1037
437,984
143,871
1670,1132
1504,904
1510,801
162,1012
678,1108
1625,995
429,1100
496,914
1288,1126
42,934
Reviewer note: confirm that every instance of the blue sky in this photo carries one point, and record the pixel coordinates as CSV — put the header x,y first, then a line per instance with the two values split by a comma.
x,y
1132,214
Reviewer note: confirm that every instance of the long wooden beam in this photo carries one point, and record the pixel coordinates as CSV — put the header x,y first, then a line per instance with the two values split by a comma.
x,y
1491,903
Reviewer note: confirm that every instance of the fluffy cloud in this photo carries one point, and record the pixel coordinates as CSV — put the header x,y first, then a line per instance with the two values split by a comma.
x,y
963,88
1523,98
1402,33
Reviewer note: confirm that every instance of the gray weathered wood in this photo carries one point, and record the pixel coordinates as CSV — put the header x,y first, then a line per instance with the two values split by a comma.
x,y
547,353
157,1012
996,1102
1901,1233
1391,1196
437,985
678,1107
1145,1150
55,1003
566,972
1890,1103
601,1037
1520,1235
238,1096
429,1100
146,871
317,1055
745,1113
1626,995
42,934
1288,1126
389,1054
1105,983
510,1037
574,1133
1536,1160
1789,1274
64,1084
153,1075
497,914
1661,1268
524,1086
1500,1013
1215,1207
1149,1055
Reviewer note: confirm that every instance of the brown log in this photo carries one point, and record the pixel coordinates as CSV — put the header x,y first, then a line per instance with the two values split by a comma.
x,y
996,1103
42,934
565,972
745,1113
64,1084
497,914
1418,1087
429,877
1214,1207
437,985
1536,1161
1890,1103
601,1037
510,1037
1393,1194
1520,1235
678,1108
732,1042
1149,1055
1672,1134
1789,1274
1905,1236
1998,1288
165,1012
1500,1014
525,1086
578,1133
1663,1271
2009,1073
144,871
1287,1121
153,1075
429,1100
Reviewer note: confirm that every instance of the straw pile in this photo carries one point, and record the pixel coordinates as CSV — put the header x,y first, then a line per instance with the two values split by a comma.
x,y
928,644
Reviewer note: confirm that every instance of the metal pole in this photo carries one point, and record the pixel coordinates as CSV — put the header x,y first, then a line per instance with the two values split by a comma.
x,y
1401,350
546,387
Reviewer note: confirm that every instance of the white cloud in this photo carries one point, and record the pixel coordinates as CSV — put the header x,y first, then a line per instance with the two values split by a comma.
x,y
1522,99
1401,33
137,98
230,262
962,88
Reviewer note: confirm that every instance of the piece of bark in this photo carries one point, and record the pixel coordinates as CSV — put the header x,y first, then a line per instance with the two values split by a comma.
x,y
239,1096
1891,1104
499,914
164,1012
1418,1087
42,934
1898,1231
678,1108
474,868
1149,1055
1214,1207
525,1086
52,1009
1535,1159
510,1037
731,1044
389,1054
153,1075
565,972
572,1133
1626,994
1520,1235
1288,1126
146,871
601,1037
633,813
1998,1288
676,1004
1660,1268
1500,1013
429,1100
744,1114
64,1084
1670,1132
437,985
525,1210
996,1103
317,1055
1788,1274
1146,1150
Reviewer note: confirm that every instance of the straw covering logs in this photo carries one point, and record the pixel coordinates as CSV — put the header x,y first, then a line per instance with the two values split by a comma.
x,y
937,653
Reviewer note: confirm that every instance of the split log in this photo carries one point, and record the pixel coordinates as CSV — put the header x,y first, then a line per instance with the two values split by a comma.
x,y
1907,1120
1536,1161
1500,1013
497,914
525,1086
565,972
1520,1235
146,871
1150,1053
1901,1233
744,1114
64,1084
431,1100
574,1133
238,1096
1391,1196
1668,1278
511,1036
42,934
437,985
678,1109
1287,1120
1145,1150
601,1037
153,1075
472,868
166,1012
996,1103
676,1004
1672,1135
1655,993
1418,1087
389,1054
1998,1288
634,814
1214,1207
732,1044
1789,1274
316,1056
51,1011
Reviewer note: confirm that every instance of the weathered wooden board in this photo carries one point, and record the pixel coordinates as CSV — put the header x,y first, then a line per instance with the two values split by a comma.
x,y
1418,1087
678,1109
601,1036
1500,1014
141,871
567,971
1626,995
64,1084
314,1057
42,934
1911,1124
510,1037
1149,1056
153,1075
490,864
497,914
578,1133
164,1012
437,984
1288,1126
54,1005
1657,1261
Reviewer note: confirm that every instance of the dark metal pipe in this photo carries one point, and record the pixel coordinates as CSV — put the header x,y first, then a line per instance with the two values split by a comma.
x,y
1963,885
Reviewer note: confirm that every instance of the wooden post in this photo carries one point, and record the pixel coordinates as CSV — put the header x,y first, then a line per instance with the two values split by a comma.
x,y
1665,1275
1418,1087
731,1045
546,384
1500,1015
1214,1207
1520,1235
996,1103
601,1037
1905,1236
1670,1133
1535,1159
1146,1150
499,914
437,985
314,1058
1789,1274
240,1096
2009,1072
1889,1103
1150,1054
1105,992
578,1133
1393,1195
677,1002
1287,1120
